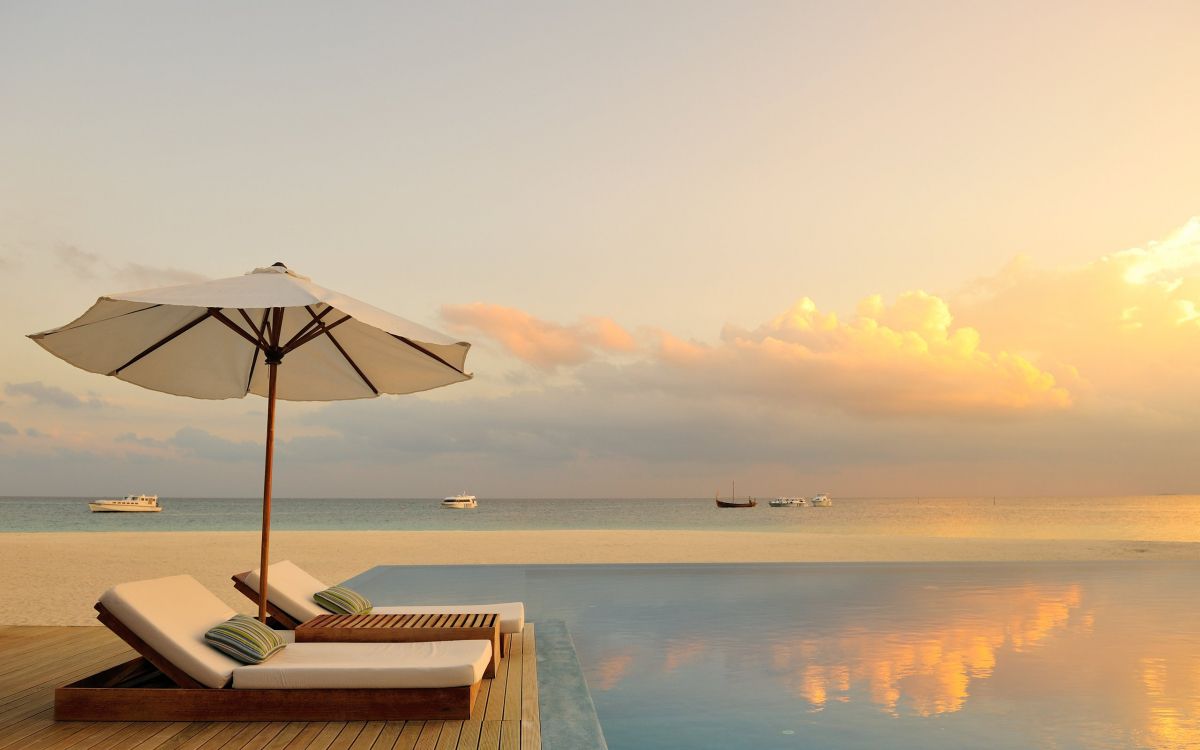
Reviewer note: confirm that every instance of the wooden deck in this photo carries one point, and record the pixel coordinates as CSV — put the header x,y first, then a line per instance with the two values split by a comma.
x,y
35,660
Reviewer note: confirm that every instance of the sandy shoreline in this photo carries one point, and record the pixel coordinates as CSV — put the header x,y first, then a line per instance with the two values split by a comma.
x,y
54,578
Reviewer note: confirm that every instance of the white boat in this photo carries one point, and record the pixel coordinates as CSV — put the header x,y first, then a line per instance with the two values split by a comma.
x,y
821,501
788,502
129,504
460,501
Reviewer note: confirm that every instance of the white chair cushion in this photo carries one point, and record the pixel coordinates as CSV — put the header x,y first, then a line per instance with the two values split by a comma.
x,y
512,614
172,615
369,665
291,589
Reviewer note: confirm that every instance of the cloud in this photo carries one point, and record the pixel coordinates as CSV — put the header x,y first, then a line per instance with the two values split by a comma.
x,y
6,428
194,442
1122,332
132,438
1030,380
538,342
34,432
87,265
50,395
142,276
79,263
1128,323
905,359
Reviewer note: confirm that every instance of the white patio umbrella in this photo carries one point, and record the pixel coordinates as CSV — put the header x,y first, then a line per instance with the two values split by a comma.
x,y
270,332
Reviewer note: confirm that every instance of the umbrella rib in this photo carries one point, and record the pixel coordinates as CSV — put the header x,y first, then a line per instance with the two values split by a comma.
x,y
165,339
291,344
37,336
276,325
216,313
321,328
426,352
257,347
325,329
258,330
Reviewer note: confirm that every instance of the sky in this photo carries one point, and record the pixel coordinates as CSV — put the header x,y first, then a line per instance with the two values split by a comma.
x,y
865,248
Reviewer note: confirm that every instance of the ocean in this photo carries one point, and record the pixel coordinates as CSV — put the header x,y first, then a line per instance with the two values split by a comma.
x,y
1174,518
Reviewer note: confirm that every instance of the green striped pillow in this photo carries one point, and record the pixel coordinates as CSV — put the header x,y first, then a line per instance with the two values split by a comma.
x,y
343,601
245,639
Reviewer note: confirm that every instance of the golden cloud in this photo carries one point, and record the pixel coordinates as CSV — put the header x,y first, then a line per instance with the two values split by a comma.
x,y
538,342
1127,323
908,358
1122,329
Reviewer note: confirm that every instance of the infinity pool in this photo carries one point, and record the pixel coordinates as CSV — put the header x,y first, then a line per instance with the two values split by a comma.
x,y
997,655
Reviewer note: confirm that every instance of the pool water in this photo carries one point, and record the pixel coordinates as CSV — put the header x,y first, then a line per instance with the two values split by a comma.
x,y
981,655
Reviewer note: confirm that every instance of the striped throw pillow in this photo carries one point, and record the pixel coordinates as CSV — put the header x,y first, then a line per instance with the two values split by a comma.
x,y
245,639
343,601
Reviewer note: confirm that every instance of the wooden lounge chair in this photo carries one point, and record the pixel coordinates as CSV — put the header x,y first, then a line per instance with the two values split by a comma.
x,y
180,677
290,600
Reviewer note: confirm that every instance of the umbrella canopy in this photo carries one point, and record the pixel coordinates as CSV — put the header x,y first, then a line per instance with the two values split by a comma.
x,y
204,340
231,337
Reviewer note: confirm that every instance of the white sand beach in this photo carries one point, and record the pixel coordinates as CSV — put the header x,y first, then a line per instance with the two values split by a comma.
x,y
54,578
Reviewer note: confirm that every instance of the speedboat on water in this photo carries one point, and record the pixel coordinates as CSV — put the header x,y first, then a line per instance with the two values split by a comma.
x,y
788,502
460,501
821,501
128,504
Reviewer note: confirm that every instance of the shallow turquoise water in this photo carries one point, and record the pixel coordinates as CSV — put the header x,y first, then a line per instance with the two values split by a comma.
x,y
1169,518
999,655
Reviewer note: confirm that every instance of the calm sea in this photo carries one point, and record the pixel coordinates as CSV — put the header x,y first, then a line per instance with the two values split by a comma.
x,y
1148,518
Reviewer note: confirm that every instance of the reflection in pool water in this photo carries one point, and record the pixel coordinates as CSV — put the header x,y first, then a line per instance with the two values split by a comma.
x,y
928,667
1103,655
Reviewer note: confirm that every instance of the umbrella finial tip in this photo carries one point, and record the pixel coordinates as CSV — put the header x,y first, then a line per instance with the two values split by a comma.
x,y
279,264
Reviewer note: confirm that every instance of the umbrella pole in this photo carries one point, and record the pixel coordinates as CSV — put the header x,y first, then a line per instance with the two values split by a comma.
x,y
266,518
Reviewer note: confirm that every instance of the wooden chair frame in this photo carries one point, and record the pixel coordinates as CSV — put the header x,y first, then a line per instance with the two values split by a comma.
x,y
284,619
151,688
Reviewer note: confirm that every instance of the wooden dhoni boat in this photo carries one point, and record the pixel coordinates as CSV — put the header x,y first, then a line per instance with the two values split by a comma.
x,y
732,502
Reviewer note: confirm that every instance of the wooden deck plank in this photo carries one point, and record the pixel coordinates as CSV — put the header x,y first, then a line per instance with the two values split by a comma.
x,y
286,734
193,740
13,696
51,655
494,710
348,735
489,736
116,740
429,736
89,735
409,736
306,735
136,733
448,739
162,736
42,658
468,738
14,734
510,734
180,740
388,736
366,738
513,684
266,736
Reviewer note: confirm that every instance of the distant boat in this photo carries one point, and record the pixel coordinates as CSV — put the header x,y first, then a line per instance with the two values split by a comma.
x,y
460,501
732,501
821,501
788,502
129,504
